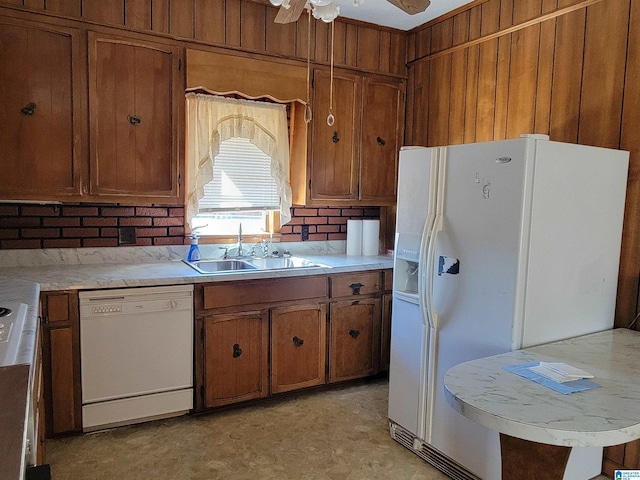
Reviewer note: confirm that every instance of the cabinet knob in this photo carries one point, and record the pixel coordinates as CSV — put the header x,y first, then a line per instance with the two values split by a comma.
x,y
381,141
237,351
297,341
134,120
29,109
355,288
354,333
335,138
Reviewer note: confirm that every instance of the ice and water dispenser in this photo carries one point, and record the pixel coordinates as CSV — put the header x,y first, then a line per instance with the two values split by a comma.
x,y
406,276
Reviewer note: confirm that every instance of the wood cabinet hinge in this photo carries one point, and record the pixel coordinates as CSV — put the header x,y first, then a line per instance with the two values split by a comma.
x,y
179,64
179,180
202,333
309,184
202,393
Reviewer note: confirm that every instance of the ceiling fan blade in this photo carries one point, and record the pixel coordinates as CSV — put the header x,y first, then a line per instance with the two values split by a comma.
x,y
291,14
411,6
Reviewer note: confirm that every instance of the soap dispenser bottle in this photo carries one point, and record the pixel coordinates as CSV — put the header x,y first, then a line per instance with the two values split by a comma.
x,y
194,251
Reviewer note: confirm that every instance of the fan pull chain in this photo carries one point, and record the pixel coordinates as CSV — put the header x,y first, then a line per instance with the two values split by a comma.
x,y
307,111
330,118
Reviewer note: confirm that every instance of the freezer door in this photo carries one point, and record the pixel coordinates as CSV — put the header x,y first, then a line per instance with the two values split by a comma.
x,y
408,368
414,177
476,249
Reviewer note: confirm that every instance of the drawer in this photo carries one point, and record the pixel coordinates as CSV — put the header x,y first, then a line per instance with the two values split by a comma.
x,y
263,291
360,283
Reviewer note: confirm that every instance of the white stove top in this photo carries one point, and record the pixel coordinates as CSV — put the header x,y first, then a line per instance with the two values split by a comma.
x,y
11,326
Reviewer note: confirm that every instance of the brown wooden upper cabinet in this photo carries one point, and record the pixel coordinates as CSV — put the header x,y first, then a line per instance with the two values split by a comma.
x,y
135,107
39,116
109,130
355,161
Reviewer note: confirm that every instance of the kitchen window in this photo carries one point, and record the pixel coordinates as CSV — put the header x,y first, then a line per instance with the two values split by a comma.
x,y
242,191
238,165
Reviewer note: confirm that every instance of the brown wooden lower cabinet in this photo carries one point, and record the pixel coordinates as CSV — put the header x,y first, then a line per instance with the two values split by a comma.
x,y
61,362
298,347
236,356
354,339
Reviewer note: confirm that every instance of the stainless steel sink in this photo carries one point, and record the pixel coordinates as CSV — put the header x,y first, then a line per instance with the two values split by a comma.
x,y
276,263
236,265
215,266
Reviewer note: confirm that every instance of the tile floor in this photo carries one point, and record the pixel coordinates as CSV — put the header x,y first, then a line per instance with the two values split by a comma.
x,y
340,434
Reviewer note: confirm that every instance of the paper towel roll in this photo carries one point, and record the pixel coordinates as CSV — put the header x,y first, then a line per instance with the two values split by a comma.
x,y
370,237
354,237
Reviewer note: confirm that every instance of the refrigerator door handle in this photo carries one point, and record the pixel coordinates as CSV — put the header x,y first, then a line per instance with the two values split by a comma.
x,y
424,267
431,234
437,228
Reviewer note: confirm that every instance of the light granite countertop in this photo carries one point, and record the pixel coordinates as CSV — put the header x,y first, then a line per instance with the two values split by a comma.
x,y
98,268
171,272
487,394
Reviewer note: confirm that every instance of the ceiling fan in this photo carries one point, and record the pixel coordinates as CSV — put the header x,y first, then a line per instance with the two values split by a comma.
x,y
327,10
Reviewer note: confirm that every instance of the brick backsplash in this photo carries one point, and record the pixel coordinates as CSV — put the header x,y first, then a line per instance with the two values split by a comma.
x,y
74,226
325,223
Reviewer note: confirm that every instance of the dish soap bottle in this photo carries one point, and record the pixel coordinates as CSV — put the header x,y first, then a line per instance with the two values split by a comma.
x,y
194,251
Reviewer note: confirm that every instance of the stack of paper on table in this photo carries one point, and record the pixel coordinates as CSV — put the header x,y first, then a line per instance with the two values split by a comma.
x,y
560,372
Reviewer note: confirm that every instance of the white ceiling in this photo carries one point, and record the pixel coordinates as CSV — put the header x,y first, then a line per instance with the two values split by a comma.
x,y
384,13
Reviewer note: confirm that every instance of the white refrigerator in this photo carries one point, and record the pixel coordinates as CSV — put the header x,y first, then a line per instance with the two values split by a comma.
x,y
499,246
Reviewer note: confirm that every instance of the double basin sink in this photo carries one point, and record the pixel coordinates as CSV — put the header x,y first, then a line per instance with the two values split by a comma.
x,y
249,264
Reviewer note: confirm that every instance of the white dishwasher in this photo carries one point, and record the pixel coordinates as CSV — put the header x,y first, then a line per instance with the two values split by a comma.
x,y
136,351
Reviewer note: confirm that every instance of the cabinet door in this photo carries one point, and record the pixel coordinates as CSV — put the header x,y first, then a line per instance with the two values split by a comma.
x,y
236,357
298,347
354,339
382,132
38,114
61,363
334,149
136,103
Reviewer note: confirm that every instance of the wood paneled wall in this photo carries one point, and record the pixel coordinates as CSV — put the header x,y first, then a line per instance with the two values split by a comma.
x,y
566,68
243,25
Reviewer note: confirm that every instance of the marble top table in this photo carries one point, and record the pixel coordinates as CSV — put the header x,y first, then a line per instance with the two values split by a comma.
x,y
537,425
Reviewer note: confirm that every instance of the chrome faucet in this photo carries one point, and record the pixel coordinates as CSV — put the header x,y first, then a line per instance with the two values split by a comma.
x,y
265,248
240,252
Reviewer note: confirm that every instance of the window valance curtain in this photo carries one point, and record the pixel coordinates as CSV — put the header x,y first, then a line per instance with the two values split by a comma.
x,y
213,119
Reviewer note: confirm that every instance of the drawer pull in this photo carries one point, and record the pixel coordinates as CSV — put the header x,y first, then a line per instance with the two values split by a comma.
x,y
381,141
237,351
354,333
355,288
297,341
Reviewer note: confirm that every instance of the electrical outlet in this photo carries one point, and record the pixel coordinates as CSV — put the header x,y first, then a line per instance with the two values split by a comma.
x,y
305,233
127,235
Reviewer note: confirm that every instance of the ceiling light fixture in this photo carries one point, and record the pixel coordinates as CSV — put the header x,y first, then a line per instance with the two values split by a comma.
x,y
328,10
325,10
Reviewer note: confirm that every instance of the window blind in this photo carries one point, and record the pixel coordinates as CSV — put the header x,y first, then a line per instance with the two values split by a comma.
x,y
241,179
